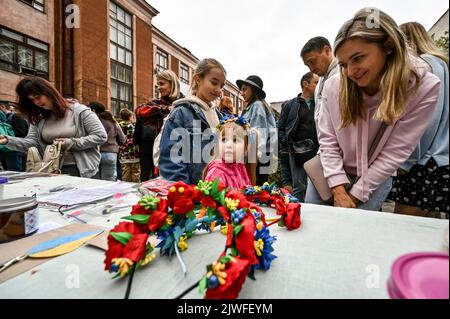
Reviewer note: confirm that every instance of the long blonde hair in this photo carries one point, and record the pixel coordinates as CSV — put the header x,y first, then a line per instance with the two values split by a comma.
x,y
172,78
202,69
420,41
374,26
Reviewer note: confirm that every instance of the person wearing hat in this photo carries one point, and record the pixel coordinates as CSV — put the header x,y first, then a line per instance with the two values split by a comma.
x,y
260,117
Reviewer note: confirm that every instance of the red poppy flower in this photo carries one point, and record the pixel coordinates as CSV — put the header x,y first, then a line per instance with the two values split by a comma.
x,y
138,209
292,217
182,197
237,194
208,201
245,239
237,272
157,220
135,248
263,196
115,248
291,214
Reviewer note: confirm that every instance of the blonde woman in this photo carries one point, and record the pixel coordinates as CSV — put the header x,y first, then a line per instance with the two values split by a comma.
x,y
150,118
421,185
188,135
379,81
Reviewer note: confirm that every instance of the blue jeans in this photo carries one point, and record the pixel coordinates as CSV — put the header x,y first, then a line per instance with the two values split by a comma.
x,y
108,166
375,201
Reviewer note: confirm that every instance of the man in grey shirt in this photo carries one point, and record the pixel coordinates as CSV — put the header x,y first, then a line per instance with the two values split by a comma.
x,y
317,55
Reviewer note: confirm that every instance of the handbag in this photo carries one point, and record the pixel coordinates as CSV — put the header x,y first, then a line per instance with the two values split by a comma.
x,y
52,161
303,151
314,169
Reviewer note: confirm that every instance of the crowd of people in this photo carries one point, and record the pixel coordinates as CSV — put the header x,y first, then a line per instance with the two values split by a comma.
x,y
374,110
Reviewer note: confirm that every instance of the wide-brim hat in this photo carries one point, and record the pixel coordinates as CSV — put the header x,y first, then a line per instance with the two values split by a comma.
x,y
254,81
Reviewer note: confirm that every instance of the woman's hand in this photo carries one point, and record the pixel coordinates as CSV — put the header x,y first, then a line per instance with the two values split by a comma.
x,y
341,198
3,140
61,140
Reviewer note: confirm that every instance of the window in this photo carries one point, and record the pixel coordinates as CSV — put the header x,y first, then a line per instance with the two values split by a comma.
x,y
21,54
37,4
184,73
162,61
121,55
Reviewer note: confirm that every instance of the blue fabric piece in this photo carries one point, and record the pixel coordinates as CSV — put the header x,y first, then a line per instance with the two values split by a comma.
x,y
59,241
435,140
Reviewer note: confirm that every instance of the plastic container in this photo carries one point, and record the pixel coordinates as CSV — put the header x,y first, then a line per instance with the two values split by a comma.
x,y
19,217
3,181
420,276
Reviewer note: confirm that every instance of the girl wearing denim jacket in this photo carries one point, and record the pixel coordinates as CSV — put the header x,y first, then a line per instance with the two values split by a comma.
x,y
188,136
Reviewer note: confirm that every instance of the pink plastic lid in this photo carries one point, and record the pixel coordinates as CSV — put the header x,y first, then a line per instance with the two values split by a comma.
x,y
420,276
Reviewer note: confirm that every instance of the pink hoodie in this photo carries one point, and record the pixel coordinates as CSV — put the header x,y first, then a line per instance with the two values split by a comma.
x,y
232,175
346,150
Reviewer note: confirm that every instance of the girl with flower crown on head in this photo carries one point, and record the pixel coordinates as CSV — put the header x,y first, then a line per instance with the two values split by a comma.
x,y
229,164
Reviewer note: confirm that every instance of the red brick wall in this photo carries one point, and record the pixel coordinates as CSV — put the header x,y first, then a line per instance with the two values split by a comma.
x,y
91,45
144,61
175,65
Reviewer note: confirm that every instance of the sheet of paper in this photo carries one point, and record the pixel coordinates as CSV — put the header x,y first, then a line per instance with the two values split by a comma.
x,y
86,195
45,227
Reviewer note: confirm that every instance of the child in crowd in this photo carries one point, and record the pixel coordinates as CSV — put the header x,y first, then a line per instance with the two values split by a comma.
x,y
129,152
189,132
229,166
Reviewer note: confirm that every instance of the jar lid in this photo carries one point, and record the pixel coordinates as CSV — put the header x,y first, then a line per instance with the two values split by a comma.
x,y
12,205
3,180
420,276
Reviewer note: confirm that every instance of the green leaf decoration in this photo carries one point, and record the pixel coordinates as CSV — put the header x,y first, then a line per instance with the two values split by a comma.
x,y
168,243
234,252
149,202
122,237
281,223
191,224
226,259
202,285
140,219
237,230
222,197
215,187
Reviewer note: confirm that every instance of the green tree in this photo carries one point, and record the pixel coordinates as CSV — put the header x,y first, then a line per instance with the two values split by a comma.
x,y
443,42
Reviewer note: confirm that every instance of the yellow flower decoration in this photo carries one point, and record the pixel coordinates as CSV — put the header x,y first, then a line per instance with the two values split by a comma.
x,y
212,226
218,270
148,259
257,189
259,226
259,246
124,265
224,230
232,204
169,220
182,244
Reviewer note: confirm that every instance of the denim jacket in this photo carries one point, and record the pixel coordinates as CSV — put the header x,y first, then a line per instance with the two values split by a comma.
x,y
189,139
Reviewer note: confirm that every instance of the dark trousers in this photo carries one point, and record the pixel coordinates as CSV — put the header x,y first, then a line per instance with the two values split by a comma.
x,y
71,170
13,161
147,166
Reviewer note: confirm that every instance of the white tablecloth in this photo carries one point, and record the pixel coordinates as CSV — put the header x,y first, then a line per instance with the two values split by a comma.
x,y
337,253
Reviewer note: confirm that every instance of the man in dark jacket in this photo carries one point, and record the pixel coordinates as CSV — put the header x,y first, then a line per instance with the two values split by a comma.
x,y
297,127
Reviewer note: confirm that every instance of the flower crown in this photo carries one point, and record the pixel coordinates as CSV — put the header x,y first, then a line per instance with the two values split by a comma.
x,y
190,208
234,119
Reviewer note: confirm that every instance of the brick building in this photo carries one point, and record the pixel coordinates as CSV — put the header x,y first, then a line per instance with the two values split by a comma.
x,y
168,54
102,50
26,43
